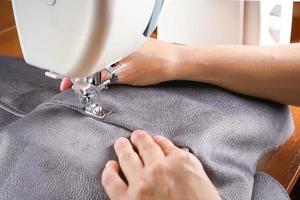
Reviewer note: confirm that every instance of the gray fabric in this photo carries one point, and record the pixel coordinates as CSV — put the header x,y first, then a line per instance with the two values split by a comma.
x,y
57,152
17,69
22,97
22,88
6,117
263,184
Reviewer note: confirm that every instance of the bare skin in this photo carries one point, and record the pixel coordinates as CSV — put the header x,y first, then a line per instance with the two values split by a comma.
x,y
266,72
148,65
159,171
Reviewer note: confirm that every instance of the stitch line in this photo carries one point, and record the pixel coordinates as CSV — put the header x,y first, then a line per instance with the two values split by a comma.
x,y
11,109
74,108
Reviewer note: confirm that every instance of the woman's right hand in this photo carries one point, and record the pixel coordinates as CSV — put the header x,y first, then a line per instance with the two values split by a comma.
x,y
153,63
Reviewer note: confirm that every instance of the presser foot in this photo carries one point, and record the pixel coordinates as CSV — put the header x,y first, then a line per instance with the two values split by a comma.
x,y
87,88
95,110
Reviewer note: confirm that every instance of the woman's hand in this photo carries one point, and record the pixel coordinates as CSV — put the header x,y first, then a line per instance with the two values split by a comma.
x,y
153,63
159,170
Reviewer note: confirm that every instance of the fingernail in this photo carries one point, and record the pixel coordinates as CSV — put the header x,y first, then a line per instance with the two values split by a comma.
x,y
120,141
158,138
137,134
108,163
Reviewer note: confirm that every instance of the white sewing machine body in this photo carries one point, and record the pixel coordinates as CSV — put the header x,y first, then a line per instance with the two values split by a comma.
x,y
264,22
77,38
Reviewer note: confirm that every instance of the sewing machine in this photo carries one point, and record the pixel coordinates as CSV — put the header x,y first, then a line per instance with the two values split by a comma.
x,y
79,38
242,22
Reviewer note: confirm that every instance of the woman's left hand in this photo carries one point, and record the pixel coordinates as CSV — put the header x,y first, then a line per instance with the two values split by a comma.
x,y
159,171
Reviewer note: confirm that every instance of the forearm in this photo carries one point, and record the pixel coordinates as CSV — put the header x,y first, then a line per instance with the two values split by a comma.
x,y
266,72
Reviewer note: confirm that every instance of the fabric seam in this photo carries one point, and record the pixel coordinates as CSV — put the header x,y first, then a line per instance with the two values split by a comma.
x,y
74,108
12,110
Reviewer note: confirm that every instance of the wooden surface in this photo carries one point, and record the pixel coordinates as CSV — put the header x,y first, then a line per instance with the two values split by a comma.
x,y
9,43
6,16
296,13
283,164
296,23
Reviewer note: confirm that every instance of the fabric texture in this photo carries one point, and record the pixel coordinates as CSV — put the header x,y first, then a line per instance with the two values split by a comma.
x,y
49,148
263,182
22,88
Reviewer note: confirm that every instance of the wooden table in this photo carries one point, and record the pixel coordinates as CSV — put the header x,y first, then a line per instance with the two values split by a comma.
x,y
9,43
284,163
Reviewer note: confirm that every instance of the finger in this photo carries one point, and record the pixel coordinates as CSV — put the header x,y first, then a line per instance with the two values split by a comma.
x,y
149,151
105,75
65,84
121,72
129,161
166,145
114,186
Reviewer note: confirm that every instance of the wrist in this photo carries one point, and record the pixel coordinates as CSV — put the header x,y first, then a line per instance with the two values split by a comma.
x,y
176,62
191,64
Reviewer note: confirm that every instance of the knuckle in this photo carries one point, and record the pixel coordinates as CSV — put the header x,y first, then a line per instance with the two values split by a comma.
x,y
184,157
107,179
159,168
143,189
187,158
146,146
126,156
